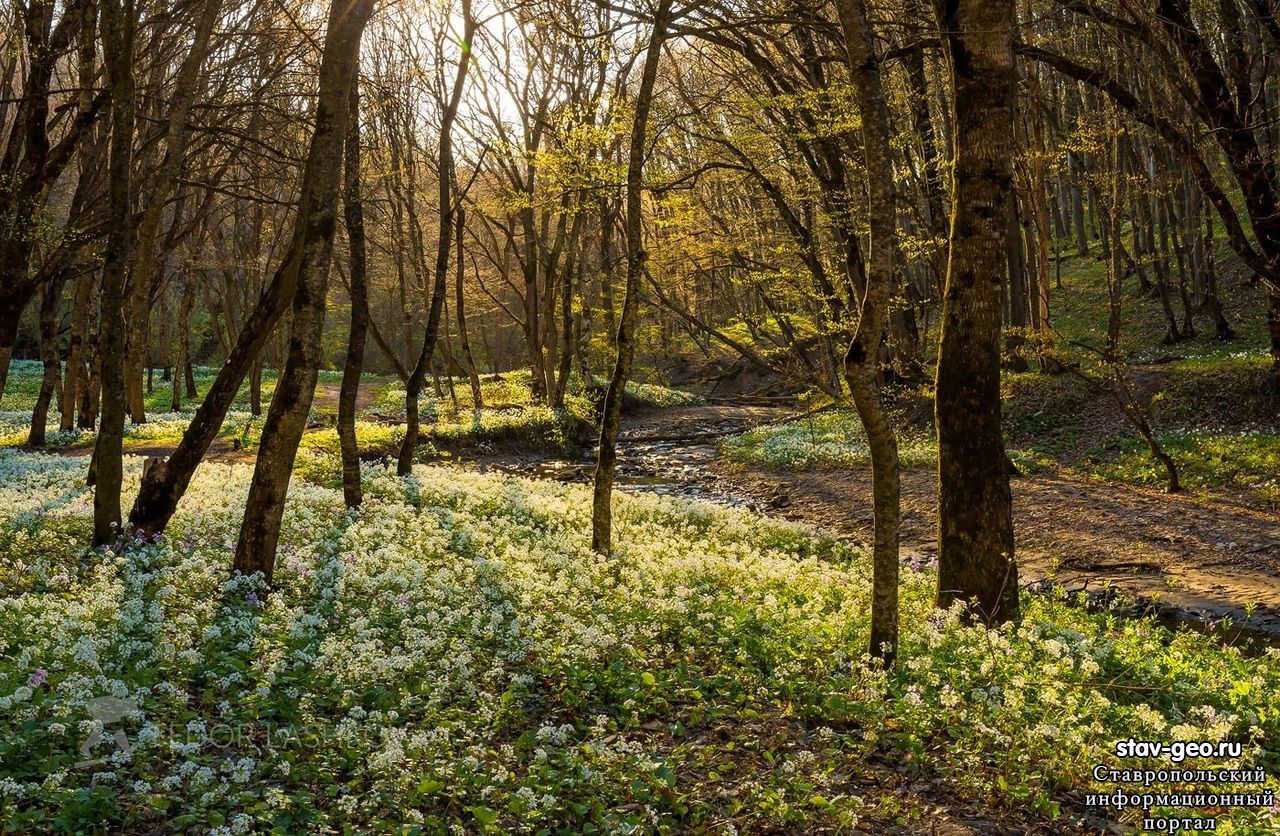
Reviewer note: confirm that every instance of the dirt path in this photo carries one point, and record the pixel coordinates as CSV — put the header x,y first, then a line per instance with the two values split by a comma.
x,y
1202,558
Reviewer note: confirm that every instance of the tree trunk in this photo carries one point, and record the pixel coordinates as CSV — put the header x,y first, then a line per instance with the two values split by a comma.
x,y
975,514
607,462
295,388
477,400
861,359
118,28
413,386
77,376
49,355
353,214
182,360
308,253
255,387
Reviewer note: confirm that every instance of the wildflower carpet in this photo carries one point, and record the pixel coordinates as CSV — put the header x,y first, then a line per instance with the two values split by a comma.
x,y
455,658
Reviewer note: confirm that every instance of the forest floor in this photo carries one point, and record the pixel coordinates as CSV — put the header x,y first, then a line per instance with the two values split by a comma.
x,y
1185,557
1190,558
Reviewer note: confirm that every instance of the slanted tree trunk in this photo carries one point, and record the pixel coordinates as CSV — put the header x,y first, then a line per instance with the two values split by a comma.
x,y
308,252
861,360
607,460
975,510
118,27
353,214
295,388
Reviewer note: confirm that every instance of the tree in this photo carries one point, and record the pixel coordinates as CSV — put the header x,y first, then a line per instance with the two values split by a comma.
x,y
975,509
862,358
446,207
310,256
119,25
607,461
353,215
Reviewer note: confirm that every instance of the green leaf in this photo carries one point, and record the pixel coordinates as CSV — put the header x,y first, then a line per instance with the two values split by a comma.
x,y
484,815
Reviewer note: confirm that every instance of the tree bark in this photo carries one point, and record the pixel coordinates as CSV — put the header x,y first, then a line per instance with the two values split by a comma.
x,y
118,26
861,360
460,310
975,515
607,461
49,356
76,378
182,361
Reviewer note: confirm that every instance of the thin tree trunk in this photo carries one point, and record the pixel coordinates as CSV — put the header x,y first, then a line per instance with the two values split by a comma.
x,y
49,355
353,214
77,376
184,345
975,510
861,360
607,461
477,401
118,29
255,387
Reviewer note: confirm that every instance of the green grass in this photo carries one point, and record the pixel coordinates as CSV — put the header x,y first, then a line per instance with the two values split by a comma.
x,y
23,387
1079,312
1246,465
829,439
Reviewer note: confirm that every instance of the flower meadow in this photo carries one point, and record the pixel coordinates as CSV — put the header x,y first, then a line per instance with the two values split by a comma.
x,y
825,440
454,658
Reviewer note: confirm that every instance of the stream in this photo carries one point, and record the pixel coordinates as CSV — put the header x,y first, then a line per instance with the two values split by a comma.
x,y
657,457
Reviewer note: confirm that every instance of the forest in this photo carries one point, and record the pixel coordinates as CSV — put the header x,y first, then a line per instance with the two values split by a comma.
x,y
639,416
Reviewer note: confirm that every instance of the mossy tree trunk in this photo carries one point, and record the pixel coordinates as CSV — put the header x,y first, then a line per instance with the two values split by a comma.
x,y
861,360
316,224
